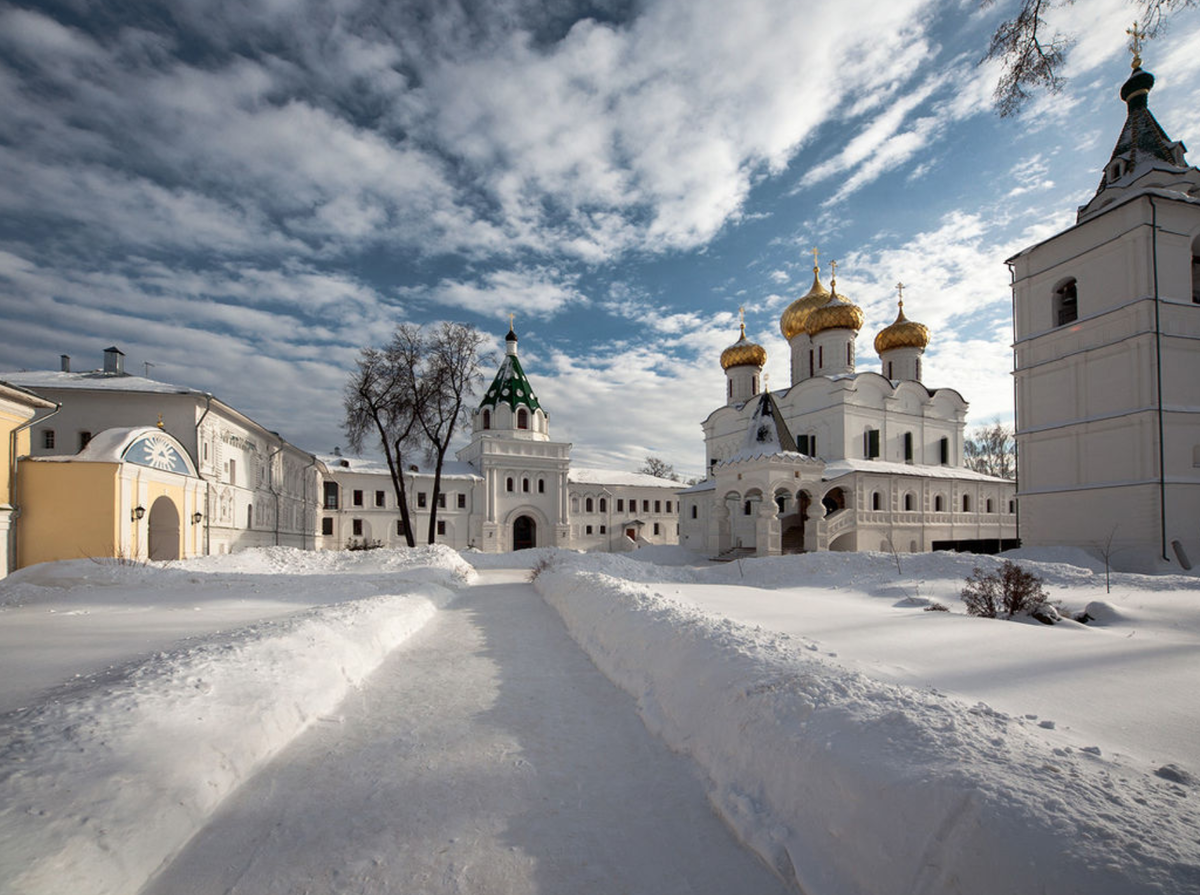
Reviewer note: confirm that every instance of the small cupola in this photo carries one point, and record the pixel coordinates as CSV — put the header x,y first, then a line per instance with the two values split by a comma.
x,y
795,317
509,406
901,345
742,362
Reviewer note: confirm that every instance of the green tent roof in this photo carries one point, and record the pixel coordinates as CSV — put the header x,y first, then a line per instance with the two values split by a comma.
x,y
510,387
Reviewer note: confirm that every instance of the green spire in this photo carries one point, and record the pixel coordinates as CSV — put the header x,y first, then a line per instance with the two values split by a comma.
x,y
510,386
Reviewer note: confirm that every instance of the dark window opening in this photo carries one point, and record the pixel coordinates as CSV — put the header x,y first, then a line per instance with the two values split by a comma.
x,y
331,495
380,499
327,525
871,444
356,527
48,439
358,498
1066,303
462,501
441,527
522,418
908,447
422,499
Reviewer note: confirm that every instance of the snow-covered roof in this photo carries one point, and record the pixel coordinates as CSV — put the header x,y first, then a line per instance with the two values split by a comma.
x,y
756,453
15,393
377,466
838,468
583,476
95,379
706,485
141,445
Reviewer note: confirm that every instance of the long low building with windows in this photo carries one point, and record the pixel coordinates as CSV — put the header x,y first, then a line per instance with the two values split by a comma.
x,y
511,487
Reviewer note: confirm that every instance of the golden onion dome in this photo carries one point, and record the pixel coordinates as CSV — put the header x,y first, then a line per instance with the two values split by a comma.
x,y
836,313
904,333
743,352
796,316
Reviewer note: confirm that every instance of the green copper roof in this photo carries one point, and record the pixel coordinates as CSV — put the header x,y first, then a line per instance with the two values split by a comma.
x,y
510,387
1142,141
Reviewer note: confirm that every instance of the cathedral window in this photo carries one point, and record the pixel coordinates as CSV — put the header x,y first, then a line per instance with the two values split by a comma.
x,y
939,504
944,446
1012,506
1066,303
966,503
522,418
876,500
587,505
331,496
871,444
658,506
668,506
731,388
746,508
889,373
487,419
574,504
603,505
508,484
356,527
541,486
909,502
620,505
525,485
989,505
695,511
908,447
849,354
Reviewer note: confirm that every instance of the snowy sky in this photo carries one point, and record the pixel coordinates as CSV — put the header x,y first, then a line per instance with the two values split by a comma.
x,y
243,193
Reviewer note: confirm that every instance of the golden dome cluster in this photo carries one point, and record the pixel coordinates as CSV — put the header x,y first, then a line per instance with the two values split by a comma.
x,y
796,316
904,333
836,313
743,352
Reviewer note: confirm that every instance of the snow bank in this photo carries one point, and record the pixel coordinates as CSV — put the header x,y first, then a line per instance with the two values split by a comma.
x,y
845,784
100,787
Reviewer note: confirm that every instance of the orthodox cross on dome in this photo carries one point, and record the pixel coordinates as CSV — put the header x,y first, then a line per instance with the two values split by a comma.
x,y
832,273
900,290
1136,37
511,317
815,253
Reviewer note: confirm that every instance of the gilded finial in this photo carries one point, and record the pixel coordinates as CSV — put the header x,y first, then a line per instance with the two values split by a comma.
x,y
766,382
832,275
160,422
742,320
511,317
1136,36
815,253
900,290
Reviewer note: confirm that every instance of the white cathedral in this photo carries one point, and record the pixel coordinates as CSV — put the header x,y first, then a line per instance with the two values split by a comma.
x,y
843,459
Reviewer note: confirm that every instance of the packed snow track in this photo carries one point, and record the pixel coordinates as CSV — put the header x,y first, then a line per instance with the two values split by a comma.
x,y
486,755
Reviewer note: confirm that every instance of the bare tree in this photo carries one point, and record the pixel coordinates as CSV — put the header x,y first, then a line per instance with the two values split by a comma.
x,y
992,450
1032,55
449,374
660,468
382,406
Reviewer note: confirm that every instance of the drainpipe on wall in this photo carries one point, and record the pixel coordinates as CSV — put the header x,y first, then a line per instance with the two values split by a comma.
x,y
304,526
271,485
1012,277
1162,452
12,476
208,398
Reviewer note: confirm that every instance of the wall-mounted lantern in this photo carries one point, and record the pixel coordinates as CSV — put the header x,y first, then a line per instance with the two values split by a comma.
x,y
196,517
137,514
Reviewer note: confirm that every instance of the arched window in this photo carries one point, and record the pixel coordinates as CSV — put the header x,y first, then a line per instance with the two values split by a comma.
x,y
525,485
908,447
695,511
909,502
1012,506
876,500
541,486
603,505
746,508
989,505
250,516
587,505
1066,303
574,504
939,504
522,418
487,419
508,484
966,503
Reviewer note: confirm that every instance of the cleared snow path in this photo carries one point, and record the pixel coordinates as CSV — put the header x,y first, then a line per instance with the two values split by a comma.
x,y
486,755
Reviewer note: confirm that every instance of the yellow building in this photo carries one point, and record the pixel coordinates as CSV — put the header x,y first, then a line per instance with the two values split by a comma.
x,y
17,410
131,493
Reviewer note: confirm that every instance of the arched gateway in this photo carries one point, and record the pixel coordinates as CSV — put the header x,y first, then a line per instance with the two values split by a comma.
x,y
524,533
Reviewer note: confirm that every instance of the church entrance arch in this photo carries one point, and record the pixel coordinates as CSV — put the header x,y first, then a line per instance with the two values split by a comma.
x,y
164,529
793,525
524,533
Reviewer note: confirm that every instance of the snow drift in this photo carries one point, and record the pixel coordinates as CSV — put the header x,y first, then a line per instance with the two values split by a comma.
x,y
846,785
103,784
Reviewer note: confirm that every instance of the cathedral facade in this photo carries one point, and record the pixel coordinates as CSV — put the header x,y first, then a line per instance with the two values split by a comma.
x,y
1107,358
842,459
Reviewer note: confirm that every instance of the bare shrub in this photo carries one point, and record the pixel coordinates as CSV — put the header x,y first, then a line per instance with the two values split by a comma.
x,y
540,566
1010,590
937,607
364,544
